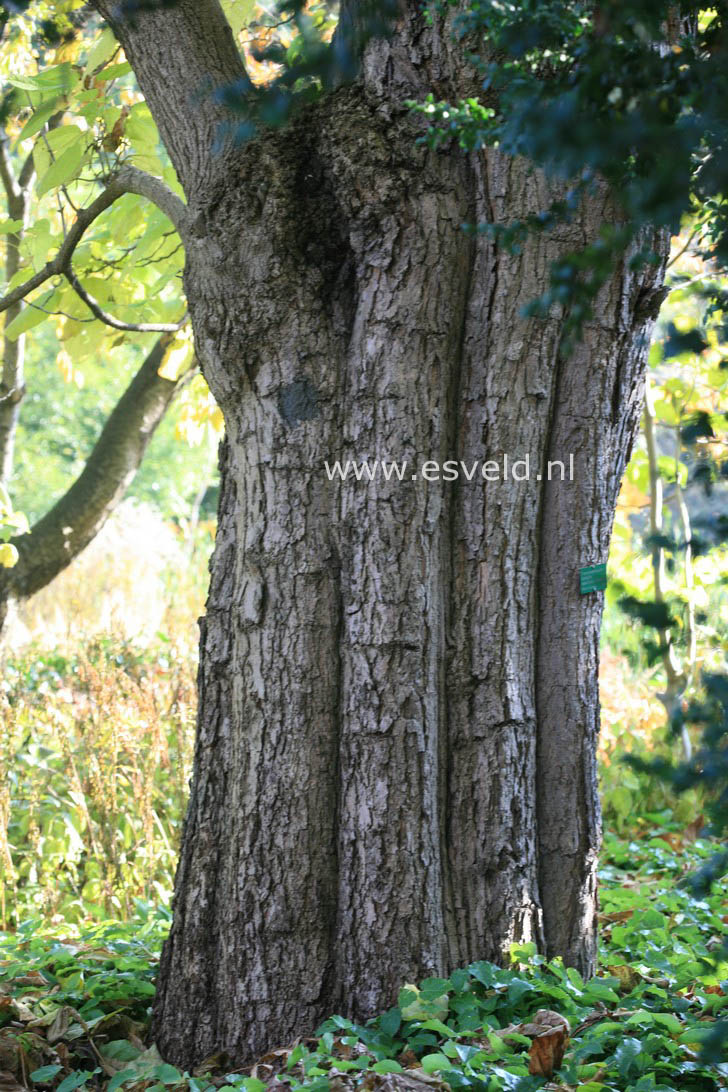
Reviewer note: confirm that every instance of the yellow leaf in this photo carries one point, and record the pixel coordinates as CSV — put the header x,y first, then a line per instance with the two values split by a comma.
x,y
632,497
65,364
217,421
8,555
178,356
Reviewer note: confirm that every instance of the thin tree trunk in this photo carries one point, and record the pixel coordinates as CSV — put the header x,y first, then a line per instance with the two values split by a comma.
x,y
12,387
395,762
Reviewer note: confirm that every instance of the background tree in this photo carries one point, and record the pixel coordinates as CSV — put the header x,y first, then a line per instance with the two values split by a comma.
x,y
42,154
398,706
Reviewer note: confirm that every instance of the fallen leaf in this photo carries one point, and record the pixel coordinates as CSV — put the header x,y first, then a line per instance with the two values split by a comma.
x,y
542,1021
411,1081
628,976
692,830
547,1052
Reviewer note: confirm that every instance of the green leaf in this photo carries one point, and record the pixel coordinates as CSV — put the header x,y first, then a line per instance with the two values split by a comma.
x,y
121,1050
74,1080
433,988
575,978
166,1073
114,71
101,51
238,13
63,170
387,1065
119,1078
390,1021
60,77
432,1063
38,118
600,991
439,1027
626,1054
45,1074
27,319
668,1020
141,129
7,227
459,980
517,988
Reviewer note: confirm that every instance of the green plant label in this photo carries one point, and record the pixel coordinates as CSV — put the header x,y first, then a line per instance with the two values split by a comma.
x,y
592,578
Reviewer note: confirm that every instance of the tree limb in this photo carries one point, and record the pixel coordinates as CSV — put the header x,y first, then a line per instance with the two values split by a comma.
x,y
128,180
27,171
104,316
59,536
159,193
181,55
9,181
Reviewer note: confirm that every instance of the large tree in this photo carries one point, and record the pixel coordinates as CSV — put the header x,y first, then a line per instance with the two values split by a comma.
x,y
395,766
395,763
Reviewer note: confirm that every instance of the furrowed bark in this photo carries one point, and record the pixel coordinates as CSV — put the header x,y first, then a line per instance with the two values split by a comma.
x,y
394,770
78,516
595,415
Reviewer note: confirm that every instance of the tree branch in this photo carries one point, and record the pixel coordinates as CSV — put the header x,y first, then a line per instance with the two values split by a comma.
x,y
9,181
181,55
27,171
156,191
76,518
128,180
136,327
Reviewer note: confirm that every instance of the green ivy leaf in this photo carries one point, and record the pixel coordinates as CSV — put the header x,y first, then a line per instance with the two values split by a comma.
x,y
390,1021
387,1065
74,1080
432,1063
45,1074
119,1078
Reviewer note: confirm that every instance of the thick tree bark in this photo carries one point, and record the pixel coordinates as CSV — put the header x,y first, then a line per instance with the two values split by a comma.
x,y
395,765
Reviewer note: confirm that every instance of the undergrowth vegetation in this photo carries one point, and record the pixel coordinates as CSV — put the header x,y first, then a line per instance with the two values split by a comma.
x,y
75,1009
95,757
96,742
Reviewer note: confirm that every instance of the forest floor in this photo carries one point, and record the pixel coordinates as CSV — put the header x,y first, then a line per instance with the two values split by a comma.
x,y
74,1010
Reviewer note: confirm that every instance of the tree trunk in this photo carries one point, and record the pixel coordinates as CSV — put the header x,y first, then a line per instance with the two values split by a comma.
x,y
395,763
395,769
